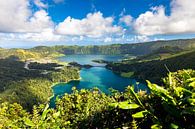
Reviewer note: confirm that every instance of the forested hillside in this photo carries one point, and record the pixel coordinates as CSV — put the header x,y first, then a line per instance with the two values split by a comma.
x,y
25,88
18,54
171,107
154,70
135,49
25,54
31,86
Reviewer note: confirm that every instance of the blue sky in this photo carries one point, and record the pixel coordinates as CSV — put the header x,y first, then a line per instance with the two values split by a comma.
x,y
86,22
80,8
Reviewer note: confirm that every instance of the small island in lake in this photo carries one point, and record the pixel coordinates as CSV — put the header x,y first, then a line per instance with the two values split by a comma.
x,y
100,61
97,64
75,64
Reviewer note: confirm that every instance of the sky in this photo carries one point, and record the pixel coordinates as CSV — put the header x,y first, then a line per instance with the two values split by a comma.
x,y
28,23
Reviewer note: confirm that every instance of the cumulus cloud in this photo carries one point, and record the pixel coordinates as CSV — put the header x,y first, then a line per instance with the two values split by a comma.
x,y
40,4
18,21
46,35
94,25
155,21
17,17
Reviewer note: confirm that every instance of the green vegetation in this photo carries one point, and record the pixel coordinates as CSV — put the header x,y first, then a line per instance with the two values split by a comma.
x,y
163,47
170,107
154,70
135,49
127,75
25,91
25,54
33,86
161,53
47,51
39,52
18,54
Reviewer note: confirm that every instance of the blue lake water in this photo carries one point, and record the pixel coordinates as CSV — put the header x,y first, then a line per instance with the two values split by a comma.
x,y
87,59
97,76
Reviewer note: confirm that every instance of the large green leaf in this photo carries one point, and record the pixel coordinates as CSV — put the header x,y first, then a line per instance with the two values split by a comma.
x,y
161,92
126,105
191,79
140,114
191,101
192,84
44,114
135,96
174,126
29,122
113,105
181,89
156,126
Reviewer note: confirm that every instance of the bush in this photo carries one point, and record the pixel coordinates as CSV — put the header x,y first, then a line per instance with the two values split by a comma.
x,y
171,106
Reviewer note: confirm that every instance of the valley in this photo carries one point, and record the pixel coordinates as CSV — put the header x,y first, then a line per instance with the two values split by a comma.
x,y
59,82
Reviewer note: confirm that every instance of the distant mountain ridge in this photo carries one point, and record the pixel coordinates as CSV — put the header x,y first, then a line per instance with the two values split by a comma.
x,y
113,49
135,49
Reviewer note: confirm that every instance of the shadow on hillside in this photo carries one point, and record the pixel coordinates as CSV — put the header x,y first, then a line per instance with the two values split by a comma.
x,y
157,69
14,85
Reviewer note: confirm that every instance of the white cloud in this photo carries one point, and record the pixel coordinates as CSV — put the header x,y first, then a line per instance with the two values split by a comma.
x,y
19,22
17,17
40,4
127,19
181,19
46,35
94,25
40,21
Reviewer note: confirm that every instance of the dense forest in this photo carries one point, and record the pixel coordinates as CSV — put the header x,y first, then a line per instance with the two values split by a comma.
x,y
134,49
31,86
154,66
170,107
27,76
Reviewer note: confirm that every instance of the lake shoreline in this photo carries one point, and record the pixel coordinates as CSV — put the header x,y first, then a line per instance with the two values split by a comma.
x,y
96,76
54,84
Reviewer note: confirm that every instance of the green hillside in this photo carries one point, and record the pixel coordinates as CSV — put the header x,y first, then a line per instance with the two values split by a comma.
x,y
30,86
153,70
135,49
26,87
172,107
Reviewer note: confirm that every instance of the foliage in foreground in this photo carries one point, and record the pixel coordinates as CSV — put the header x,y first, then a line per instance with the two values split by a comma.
x,y
170,107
